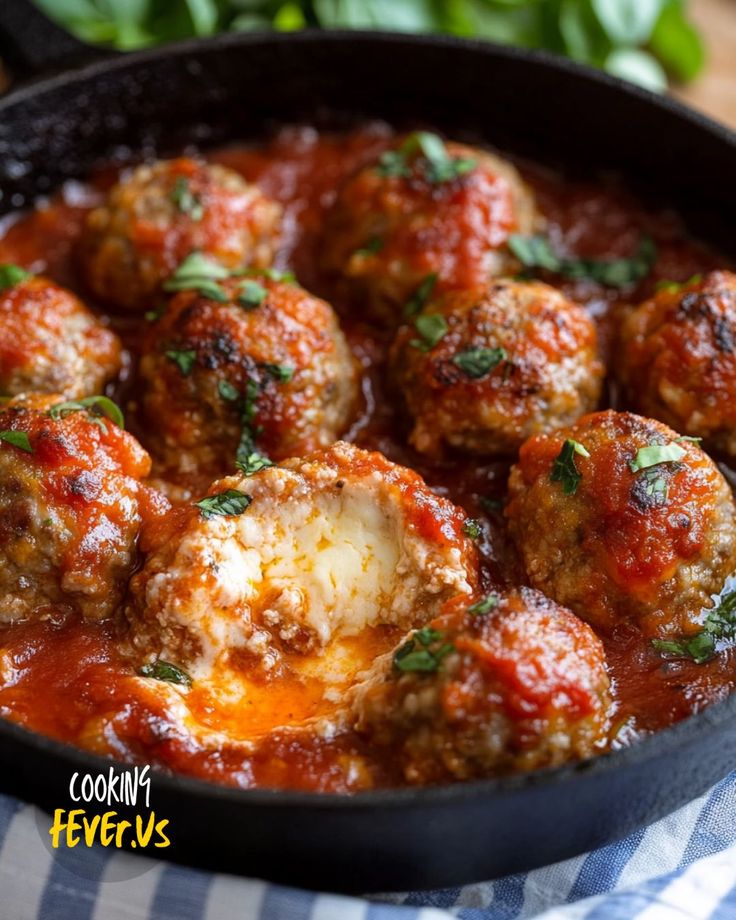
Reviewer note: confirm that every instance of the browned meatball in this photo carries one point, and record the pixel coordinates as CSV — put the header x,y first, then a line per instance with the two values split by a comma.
x,y
483,370
71,505
678,358
267,371
163,212
425,215
49,340
514,683
619,517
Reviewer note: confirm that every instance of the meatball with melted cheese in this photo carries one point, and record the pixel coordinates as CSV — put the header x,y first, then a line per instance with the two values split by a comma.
x,y
294,556
50,342
483,370
425,215
618,517
71,505
678,358
514,683
264,370
159,215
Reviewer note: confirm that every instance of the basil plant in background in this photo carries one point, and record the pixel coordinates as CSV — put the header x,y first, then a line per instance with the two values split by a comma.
x,y
647,41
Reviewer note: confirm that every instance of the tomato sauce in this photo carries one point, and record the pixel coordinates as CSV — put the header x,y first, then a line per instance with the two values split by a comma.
x,y
65,678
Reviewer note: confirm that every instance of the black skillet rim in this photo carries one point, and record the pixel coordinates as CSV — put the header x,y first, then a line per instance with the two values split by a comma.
x,y
655,745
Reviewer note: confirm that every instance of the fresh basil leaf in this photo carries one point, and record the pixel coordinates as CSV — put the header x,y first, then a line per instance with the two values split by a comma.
x,y
166,671
655,454
10,275
97,406
184,360
253,463
481,608
251,294
628,22
564,470
420,296
229,502
281,373
417,654
185,200
677,43
432,327
17,439
228,391
637,66
477,362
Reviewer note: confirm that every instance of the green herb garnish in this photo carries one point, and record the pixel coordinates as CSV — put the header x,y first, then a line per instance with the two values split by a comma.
x,y
430,152
481,608
472,528
432,327
672,287
477,362
17,439
184,360
10,275
186,200
228,391
165,670
420,296
96,406
417,654
655,454
281,373
199,273
719,626
564,469
374,245
229,502
253,463
537,252
251,294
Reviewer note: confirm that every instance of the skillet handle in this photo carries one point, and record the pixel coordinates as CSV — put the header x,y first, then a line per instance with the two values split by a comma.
x,y
31,44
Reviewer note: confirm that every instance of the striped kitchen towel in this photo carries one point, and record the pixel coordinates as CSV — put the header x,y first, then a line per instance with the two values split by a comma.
x,y
683,867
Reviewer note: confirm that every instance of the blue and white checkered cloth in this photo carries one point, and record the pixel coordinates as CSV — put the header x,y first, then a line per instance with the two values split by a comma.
x,y
681,868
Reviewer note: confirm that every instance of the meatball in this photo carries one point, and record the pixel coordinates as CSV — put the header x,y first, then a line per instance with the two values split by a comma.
x,y
483,370
513,683
49,340
293,556
162,213
71,505
618,517
678,358
266,370
425,215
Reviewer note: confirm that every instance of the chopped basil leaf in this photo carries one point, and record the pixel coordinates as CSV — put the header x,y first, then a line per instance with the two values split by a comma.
x,y
152,316
655,454
184,360
253,463
417,654
432,153
564,469
432,327
481,608
472,529
228,391
186,200
477,362
282,373
199,273
672,287
719,625
421,295
11,275
252,294
229,502
97,406
165,670
17,439
373,246
536,252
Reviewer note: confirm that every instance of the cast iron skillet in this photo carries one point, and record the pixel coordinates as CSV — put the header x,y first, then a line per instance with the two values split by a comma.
x,y
234,86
